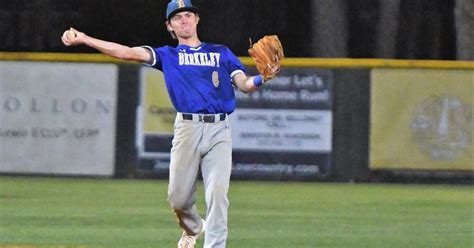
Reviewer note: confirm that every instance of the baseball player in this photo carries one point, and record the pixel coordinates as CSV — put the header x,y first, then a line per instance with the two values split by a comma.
x,y
200,79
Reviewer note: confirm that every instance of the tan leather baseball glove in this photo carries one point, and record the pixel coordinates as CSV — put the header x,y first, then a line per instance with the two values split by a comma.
x,y
267,54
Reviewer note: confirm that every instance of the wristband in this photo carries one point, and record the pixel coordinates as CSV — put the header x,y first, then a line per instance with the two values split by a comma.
x,y
258,80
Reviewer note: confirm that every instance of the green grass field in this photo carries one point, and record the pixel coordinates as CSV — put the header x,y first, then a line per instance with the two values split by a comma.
x,y
67,212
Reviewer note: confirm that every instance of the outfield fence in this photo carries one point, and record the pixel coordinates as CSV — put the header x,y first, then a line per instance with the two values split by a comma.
x,y
321,119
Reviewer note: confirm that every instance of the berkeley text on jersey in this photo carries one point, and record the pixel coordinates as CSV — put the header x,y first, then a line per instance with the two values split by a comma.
x,y
200,59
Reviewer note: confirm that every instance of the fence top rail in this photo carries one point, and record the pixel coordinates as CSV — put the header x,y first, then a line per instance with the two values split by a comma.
x,y
287,62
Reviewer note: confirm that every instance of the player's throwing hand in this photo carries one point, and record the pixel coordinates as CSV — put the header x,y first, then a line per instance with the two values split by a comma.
x,y
72,37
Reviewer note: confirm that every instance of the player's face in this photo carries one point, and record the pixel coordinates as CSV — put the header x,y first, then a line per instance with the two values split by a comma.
x,y
184,24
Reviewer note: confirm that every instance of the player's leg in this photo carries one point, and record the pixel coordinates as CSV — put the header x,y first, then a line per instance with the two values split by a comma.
x,y
216,168
184,167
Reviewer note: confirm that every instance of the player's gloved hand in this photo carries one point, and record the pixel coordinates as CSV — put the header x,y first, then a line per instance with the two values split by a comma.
x,y
267,54
73,37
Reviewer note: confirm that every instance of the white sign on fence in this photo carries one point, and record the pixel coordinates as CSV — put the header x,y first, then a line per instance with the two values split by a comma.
x,y
57,118
282,130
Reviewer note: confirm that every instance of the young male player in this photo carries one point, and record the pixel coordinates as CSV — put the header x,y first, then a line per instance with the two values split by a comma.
x,y
200,79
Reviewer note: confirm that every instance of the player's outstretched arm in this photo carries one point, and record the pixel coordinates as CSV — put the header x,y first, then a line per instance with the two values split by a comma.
x,y
73,37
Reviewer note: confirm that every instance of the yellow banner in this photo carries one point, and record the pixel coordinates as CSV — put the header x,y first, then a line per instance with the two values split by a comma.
x,y
422,119
159,113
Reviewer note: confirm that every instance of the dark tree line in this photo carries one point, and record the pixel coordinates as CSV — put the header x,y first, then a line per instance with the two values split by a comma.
x,y
406,29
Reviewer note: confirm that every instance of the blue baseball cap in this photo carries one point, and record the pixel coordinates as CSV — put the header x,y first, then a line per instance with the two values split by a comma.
x,y
176,6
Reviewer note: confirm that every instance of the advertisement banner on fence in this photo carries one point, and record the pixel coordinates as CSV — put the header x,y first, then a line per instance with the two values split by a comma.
x,y
159,111
422,119
286,125
57,118
156,116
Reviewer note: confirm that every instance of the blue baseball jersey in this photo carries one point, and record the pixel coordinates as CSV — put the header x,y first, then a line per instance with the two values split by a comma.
x,y
199,79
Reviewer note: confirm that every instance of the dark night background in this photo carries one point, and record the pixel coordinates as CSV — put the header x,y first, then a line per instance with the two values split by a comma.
x,y
402,29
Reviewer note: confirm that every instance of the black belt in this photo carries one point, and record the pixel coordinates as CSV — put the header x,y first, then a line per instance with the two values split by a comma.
x,y
210,118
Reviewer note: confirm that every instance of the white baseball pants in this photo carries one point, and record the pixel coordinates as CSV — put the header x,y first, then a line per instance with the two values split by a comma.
x,y
207,145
